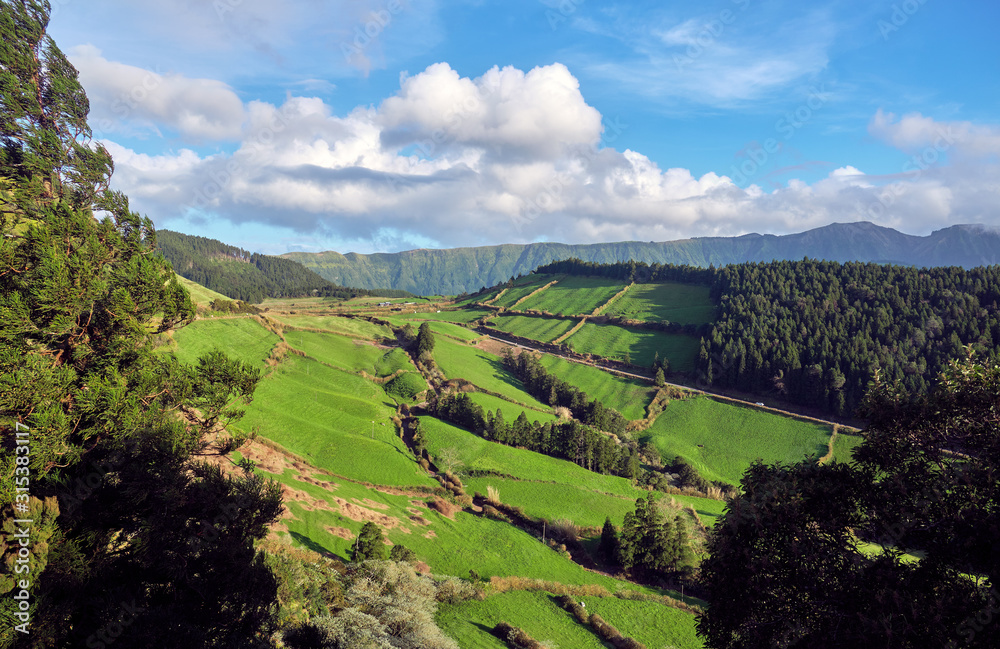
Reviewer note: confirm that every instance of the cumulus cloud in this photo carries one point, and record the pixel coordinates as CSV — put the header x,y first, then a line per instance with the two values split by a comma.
x,y
133,101
515,156
914,132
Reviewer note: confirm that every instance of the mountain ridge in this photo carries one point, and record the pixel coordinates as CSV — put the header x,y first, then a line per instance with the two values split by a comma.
x,y
456,270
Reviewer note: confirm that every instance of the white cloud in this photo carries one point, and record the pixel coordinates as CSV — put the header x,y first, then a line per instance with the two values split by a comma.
x,y
914,133
131,100
523,162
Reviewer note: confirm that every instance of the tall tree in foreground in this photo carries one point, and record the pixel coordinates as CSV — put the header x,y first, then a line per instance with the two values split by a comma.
x,y
132,543
812,556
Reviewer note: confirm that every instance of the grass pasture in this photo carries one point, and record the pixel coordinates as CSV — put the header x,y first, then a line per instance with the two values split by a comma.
x,y
667,301
242,338
642,345
522,287
325,415
722,439
543,329
350,354
200,295
628,396
355,327
574,295
458,316
652,624
458,360
511,411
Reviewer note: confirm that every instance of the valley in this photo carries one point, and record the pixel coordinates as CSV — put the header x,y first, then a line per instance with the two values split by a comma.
x,y
341,392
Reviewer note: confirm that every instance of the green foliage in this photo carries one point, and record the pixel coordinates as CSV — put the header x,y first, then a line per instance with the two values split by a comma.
x,y
425,339
370,544
798,526
242,275
406,386
821,329
402,553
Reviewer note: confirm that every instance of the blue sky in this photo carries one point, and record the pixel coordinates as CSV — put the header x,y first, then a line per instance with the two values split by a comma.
x,y
384,125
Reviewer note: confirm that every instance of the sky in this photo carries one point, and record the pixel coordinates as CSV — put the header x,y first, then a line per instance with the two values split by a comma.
x,y
386,125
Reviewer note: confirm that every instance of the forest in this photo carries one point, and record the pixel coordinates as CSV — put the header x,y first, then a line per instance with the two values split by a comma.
x,y
247,276
815,333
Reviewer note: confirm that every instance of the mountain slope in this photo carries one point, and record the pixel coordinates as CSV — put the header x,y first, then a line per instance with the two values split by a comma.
x,y
467,269
242,275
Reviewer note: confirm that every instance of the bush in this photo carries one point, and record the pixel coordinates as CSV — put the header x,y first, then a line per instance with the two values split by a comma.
x,y
516,637
402,553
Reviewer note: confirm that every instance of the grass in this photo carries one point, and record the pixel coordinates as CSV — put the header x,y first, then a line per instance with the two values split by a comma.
x,y
511,411
449,546
522,287
844,445
543,329
393,361
478,453
453,330
459,316
336,324
536,613
326,415
348,354
200,295
244,339
628,396
574,295
722,439
652,624
458,360
667,301
641,345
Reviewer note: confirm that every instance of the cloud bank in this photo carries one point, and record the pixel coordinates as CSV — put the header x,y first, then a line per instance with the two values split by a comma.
x,y
509,156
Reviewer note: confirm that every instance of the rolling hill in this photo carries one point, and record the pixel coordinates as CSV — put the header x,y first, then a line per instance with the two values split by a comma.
x,y
458,270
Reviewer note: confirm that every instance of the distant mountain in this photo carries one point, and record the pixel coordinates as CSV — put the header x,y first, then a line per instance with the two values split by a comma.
x,y
242,275
456,270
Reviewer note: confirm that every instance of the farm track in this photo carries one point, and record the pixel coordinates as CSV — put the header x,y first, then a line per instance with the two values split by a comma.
x,y
715,395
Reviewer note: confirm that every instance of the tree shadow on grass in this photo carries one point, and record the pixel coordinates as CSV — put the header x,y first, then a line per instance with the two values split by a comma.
x,y
313,545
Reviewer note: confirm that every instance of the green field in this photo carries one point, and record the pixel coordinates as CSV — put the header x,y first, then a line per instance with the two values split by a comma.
x,y
522,287
543,329
844,445
722,439
574,295
628,396
243,338
667,301
326,415
539,615
641,344
460,316
339,351
337,324
200,295
458,360
480,454
511,411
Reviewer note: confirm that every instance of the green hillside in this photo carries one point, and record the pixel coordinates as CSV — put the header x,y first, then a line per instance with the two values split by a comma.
x,y
458,270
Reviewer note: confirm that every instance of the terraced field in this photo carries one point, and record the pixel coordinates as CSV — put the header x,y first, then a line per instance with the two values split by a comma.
x,y
458,360
511,411
242,338
641,345
522,287
350,354
667,301
336,324
628,396
325,415
544,329
573,295
722,439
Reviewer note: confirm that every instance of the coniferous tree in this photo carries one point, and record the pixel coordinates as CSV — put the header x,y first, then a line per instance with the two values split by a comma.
x,y
152,534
